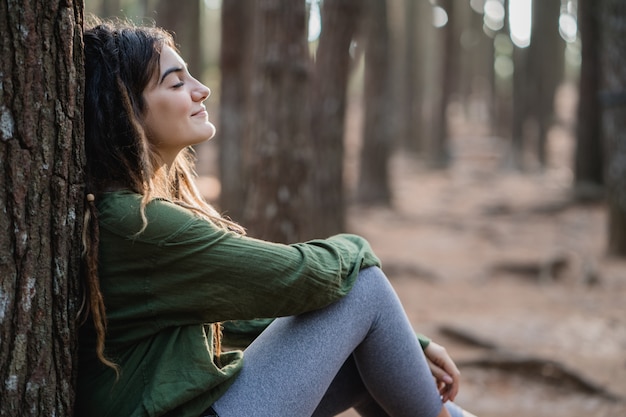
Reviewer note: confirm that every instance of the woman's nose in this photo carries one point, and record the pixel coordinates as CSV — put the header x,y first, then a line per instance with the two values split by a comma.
x,y
202,92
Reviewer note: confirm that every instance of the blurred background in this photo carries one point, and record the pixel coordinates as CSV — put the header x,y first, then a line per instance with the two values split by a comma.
x,y
480,145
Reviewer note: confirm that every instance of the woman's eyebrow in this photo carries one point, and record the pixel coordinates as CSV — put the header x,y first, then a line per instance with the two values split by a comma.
x,y
169,71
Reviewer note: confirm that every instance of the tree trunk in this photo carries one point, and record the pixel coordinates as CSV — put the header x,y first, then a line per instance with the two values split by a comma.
x,y
373,185
502,85
521,109
277,148
328,112
419,31
547,56
397,23
236,71
41,196
613,64
466,56
441,146
589,165
183,19
478,52
110,8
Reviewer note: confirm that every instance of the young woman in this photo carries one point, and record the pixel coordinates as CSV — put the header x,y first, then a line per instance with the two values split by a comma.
x,y
164,272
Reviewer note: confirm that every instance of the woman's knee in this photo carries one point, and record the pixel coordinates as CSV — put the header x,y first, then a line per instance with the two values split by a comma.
x,y
373,275
372,280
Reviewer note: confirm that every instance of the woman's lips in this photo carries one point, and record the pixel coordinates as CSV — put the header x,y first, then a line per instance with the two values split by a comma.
x,y
201,112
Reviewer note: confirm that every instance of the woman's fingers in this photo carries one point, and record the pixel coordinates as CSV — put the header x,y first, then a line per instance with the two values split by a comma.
x,y
444,370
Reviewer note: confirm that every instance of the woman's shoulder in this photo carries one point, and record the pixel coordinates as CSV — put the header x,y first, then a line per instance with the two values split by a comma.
x,y
126,202
120,211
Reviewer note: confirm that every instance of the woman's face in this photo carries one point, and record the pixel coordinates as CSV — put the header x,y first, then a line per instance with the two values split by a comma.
x,y
175,116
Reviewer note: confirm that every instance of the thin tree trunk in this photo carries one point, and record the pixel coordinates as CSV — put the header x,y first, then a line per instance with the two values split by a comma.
x,y
503,92
466,55
277,148
183,19
373,185
110,8
589,162
441,145
419,31
547,55
479,54
328,112
613,64
236,71
521,110
41,196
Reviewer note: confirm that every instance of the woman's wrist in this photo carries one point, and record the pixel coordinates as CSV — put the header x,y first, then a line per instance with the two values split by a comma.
x,y
423,340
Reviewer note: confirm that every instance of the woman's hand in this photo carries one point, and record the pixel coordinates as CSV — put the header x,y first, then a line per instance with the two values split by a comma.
x,y
444,370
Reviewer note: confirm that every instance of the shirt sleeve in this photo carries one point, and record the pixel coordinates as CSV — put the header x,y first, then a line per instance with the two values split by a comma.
x,y
248,278
240,333
187,270
424,340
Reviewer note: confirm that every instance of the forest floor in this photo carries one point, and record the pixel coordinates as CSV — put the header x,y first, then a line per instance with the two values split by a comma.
x,y
509,273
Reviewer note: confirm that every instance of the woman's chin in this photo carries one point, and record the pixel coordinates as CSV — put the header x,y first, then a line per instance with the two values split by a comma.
x,y
207,134
211,131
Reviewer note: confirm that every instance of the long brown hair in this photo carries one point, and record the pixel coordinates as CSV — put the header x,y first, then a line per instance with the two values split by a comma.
x,y
120,60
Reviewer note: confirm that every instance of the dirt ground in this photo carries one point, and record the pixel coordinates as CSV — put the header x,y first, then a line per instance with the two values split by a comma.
x,y
508,273
511,275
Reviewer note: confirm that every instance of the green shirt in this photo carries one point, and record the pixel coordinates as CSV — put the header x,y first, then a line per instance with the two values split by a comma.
x,y
162,286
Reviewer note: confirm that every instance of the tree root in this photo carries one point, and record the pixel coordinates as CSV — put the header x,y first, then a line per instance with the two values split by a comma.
x,y
544,370
541,369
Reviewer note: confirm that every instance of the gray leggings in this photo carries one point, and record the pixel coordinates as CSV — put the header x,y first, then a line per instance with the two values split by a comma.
x,y
358,352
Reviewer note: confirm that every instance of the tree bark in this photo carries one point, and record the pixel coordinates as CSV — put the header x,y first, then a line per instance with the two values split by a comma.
x,y
613,64
277,148
373,185
521,108
547,58
503,88
419,31
328,111
441,145
41,196
478,51
589,158
110,8
236,72
183,20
